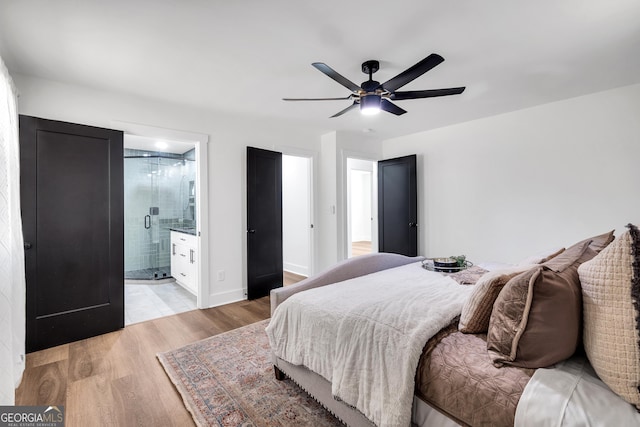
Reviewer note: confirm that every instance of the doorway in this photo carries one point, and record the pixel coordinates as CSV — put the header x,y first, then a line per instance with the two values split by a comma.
x,y
361,207
159,198
398,202
297,222
280,231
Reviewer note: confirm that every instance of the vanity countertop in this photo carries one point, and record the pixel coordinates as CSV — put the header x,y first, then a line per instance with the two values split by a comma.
x,y
186,230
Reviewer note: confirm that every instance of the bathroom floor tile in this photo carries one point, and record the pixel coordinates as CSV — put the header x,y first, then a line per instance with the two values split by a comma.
x,y
146,302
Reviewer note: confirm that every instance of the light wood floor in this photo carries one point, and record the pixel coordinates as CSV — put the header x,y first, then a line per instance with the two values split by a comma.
x,y
116,380
360,248
289,278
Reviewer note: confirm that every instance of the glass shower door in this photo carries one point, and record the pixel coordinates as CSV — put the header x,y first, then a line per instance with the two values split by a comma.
x,y
142,213
165,179
159,194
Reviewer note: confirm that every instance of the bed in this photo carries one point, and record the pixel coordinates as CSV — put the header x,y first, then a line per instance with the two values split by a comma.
x,y
457,375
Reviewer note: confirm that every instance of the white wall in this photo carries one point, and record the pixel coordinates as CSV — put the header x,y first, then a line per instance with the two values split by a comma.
x,y
497,188
326,230
296,214
229,137
360,203
336,148
503,187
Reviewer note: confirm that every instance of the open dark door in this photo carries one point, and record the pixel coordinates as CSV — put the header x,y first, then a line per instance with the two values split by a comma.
x,y
264,222
71,189
397,206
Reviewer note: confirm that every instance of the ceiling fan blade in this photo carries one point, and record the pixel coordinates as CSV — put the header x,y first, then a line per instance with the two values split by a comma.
x,y
350,107
430,93
392,108
412,73
317,99
324,68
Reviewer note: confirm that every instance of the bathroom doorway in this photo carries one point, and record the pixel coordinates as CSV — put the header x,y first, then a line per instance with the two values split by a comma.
x,y
159,197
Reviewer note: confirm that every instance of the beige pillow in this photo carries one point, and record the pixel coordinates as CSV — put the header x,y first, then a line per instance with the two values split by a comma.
x,y
535,320
477,310
611,303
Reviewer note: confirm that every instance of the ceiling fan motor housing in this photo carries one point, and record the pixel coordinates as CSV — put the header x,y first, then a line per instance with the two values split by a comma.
x,y
370,86
370,67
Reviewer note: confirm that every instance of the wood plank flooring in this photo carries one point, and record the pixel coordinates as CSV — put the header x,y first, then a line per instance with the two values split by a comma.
x,y
116,380
360,248
289,278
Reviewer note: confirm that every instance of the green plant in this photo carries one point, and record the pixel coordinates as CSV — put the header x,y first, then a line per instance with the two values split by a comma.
x,y
460,260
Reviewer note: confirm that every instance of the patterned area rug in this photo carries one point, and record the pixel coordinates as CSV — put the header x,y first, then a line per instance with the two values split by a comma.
x,y
227,380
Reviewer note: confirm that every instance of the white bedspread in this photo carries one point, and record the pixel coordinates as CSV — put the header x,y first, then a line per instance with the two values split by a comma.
x,y
366,335
571,394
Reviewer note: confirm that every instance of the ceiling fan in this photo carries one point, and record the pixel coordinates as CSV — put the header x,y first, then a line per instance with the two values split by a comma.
x,y
372,96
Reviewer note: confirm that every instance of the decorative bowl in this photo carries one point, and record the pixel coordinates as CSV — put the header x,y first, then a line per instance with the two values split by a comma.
x,y
445,265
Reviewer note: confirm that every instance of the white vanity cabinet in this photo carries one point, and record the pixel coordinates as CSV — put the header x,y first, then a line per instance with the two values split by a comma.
x,y
184,260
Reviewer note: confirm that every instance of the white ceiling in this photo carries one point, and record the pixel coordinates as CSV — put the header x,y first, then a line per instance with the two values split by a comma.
x,y
243,56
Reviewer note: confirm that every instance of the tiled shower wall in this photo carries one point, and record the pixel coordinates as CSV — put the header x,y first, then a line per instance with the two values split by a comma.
x,y
159,180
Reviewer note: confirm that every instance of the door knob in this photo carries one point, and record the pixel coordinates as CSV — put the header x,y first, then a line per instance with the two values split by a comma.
x,y
27,245
413,224
251,231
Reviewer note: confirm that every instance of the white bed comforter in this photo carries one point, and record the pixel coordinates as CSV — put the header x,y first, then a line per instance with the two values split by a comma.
x,y
366,335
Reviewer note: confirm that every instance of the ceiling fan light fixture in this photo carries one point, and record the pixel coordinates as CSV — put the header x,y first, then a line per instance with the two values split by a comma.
x,y
373,96
370,104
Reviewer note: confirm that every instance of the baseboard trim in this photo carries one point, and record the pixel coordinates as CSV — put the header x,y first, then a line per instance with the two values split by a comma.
x,y
359,239
222,298
300,270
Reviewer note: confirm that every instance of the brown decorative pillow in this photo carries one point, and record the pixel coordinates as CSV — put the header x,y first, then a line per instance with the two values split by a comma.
x,y
477,310
611,295
535,321
600,242
564,259
553,255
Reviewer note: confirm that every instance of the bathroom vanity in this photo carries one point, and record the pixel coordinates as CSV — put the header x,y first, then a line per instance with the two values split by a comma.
x,y
184,258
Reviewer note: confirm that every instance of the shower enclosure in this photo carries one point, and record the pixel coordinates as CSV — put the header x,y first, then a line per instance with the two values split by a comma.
x,y
159,194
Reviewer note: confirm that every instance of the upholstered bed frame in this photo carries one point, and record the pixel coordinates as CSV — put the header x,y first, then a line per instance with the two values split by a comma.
x,y
317,386
599,277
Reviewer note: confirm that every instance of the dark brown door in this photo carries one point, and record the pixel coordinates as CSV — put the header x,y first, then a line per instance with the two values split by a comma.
x,y
264,222
397,206
71,187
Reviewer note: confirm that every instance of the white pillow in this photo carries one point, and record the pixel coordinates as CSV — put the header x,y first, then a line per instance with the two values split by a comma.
x,y
491,266
542,256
